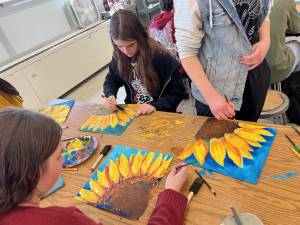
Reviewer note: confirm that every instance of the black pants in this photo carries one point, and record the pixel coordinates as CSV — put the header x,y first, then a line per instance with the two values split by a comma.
x,y
254,95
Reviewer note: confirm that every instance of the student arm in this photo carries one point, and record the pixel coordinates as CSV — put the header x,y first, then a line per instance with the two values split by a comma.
x,y
189,34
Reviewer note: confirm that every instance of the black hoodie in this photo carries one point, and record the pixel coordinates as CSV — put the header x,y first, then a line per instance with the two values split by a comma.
x,y
172,90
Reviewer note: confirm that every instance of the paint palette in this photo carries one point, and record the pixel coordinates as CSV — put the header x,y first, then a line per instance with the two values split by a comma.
x,y
78,150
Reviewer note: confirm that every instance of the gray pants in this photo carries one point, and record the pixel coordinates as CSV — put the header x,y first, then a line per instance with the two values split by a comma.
x,y
294,46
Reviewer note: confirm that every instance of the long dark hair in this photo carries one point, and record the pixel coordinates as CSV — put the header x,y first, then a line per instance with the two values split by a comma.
x,y
166,5
8,88
27,140
125,25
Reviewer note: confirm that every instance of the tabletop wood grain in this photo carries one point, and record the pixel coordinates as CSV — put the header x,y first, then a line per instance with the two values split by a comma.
x,y
274,201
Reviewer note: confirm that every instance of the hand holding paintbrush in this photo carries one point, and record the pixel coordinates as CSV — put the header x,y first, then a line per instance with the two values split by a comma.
x,y
111,103
176,178
232,107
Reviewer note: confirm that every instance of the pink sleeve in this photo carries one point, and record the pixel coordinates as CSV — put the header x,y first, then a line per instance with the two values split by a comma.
x,y
169,210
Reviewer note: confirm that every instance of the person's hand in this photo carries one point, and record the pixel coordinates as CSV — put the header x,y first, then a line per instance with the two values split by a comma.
x,y
145,109
110,103
220,108
260,50
176,178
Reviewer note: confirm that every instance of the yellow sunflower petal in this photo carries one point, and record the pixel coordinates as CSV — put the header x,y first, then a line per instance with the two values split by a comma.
x,y
250,126
113,120
162,169
103,122
130,112
253,143
96,188
136,164
114,174
217,150
122,117
156,164
102,179
147,162
200,150
233,153
88,196
247,134
124,166
245,153
263,132
237,142
188,150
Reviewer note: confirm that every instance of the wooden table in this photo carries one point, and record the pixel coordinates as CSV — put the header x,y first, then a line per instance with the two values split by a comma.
x,y
275,201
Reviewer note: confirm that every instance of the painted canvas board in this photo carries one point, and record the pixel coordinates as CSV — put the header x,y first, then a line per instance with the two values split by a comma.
x,y
59,184
238,150
78,150
124,181
58,110
115,123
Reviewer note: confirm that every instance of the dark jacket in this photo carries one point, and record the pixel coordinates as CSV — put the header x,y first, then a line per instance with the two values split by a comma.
x,y
8,88
171,92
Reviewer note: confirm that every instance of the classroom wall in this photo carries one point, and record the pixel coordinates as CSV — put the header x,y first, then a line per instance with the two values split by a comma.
x,y
57,70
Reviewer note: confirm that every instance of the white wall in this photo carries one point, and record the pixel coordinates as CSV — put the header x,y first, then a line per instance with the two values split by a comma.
x,y
35,25
56,71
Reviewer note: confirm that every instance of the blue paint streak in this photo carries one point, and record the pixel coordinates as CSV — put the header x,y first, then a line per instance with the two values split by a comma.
x,y
285,176
207,173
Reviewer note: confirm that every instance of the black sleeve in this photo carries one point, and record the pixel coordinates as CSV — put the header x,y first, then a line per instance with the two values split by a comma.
x,y
173,91
8,88
113,81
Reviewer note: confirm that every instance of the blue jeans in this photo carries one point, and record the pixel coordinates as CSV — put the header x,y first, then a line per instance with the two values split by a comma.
x,y
254,95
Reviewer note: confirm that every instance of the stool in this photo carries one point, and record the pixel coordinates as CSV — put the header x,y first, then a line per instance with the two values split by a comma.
x,y
276,104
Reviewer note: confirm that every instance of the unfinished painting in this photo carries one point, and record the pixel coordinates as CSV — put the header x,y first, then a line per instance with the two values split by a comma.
x,y
114,123
58,110
238,150
125,180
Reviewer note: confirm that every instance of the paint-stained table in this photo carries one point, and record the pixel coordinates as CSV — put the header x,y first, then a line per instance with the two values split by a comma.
x,y
275,199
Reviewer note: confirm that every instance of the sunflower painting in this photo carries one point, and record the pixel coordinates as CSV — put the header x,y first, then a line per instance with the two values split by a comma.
x,y
110,123
124,181
234,149
58,110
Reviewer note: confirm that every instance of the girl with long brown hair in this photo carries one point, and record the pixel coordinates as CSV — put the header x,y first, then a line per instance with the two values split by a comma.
x,y
148,72
30,163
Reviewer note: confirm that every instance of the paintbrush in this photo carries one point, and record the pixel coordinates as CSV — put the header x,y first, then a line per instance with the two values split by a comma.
x,y
68,139
117,106
179,167
194,189
206,183
236,216
102,154
234,116
295,129
296,147
69,169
